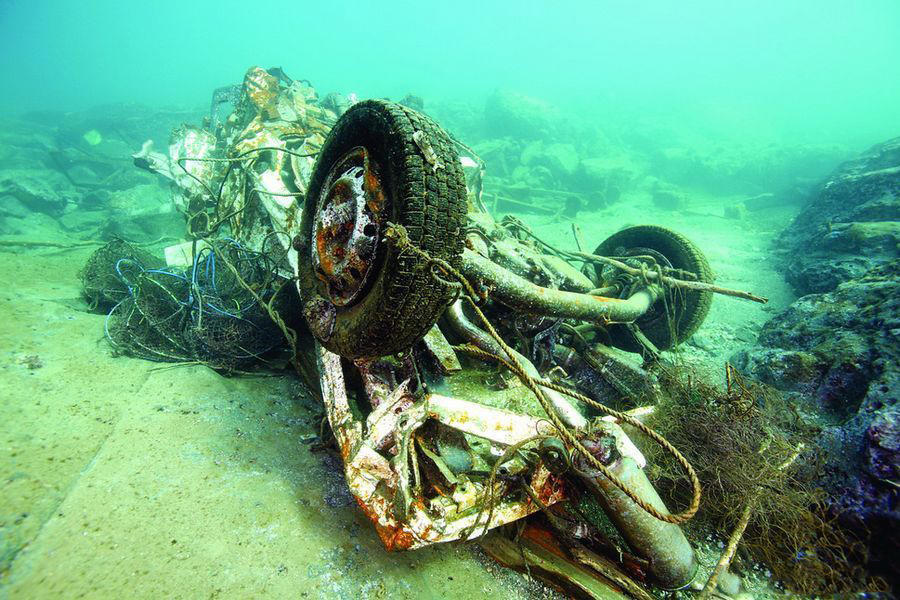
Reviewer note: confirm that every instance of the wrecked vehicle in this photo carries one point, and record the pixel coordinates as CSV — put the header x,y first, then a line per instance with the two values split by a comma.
x,y
469,370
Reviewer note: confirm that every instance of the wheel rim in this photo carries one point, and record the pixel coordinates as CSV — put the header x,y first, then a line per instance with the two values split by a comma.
x,y
347,226
656,310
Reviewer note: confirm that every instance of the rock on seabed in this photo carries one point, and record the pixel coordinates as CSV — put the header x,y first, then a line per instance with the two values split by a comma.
x,y
837,349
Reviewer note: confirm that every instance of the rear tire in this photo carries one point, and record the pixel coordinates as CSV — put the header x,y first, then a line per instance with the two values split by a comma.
x,y
689,307
425,191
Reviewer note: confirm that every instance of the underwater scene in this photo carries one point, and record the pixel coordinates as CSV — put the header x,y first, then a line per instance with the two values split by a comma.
x,y
577,299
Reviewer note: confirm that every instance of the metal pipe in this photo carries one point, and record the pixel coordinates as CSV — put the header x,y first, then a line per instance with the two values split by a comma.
x,y
517,292
470,332
673,564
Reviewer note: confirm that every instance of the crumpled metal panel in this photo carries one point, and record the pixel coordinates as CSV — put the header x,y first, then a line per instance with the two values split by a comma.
x,y
193,178
275,124
269,113
263,90
286,118
381,485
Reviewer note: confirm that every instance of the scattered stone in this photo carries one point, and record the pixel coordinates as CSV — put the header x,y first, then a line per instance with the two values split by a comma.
x,y
607,177
668,197
31,362
560,159
10,206
703,342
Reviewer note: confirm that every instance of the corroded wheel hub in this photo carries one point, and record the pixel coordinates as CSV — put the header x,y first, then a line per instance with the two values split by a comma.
x,y
657,309
347,226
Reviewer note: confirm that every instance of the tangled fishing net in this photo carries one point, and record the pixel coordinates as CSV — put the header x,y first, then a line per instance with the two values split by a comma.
x,y
214,312
100,283
750,446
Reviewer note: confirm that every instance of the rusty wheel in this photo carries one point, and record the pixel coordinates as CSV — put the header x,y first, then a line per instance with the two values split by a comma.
x,y
687,309
349,214
381,163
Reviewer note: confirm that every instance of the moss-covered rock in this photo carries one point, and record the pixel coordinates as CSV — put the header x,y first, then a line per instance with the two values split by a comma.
x,y
849,225
837,355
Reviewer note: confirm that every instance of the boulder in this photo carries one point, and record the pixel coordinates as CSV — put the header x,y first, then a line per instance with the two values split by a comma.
x,y
849,225
667,196
607,177
10,206
837,355
143,212
509,113
38,189
560,159
33,226
24,145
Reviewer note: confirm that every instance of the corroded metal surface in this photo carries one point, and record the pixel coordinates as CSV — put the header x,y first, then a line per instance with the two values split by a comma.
x,y
250,171
439,349
520,293
672,562
320,315
376,452
495,424
347,225
262,89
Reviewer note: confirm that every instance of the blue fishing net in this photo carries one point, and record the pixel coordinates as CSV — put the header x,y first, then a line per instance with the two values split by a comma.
x,y
211,312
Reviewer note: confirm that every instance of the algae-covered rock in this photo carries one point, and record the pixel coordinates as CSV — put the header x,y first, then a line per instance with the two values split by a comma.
x,y
838,355
849,224
837,349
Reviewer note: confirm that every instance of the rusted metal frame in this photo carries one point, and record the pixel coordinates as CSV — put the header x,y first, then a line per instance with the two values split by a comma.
x,y
672,562
520,293
538,553
368,472
649,274
480,338
494,424
347,430
664,545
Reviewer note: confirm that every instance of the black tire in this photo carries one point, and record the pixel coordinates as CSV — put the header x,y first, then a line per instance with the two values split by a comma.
x,y
689,307
401,300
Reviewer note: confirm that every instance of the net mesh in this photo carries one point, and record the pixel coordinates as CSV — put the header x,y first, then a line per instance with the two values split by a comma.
x,y
209,312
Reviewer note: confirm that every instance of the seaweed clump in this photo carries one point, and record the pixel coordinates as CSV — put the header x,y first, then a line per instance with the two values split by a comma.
x,y
754,453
